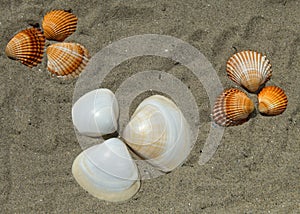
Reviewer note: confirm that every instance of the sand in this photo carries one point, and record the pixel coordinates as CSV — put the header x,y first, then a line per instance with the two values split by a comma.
x,y
256,167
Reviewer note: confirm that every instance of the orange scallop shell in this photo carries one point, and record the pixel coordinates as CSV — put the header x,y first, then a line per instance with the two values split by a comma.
x,y
272,101
59,24
67,59
27,46
249,69
232,108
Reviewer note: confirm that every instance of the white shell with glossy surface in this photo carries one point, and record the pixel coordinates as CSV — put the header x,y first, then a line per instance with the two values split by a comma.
x,y
159,133
107,171
96,113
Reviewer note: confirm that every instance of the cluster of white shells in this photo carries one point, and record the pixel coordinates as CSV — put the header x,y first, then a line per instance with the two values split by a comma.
x,y
157,132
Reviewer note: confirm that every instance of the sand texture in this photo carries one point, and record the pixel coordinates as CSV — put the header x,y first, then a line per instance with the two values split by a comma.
x,y
256,167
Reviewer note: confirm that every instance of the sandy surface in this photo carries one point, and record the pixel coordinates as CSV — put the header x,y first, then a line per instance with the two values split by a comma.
x,y
256,167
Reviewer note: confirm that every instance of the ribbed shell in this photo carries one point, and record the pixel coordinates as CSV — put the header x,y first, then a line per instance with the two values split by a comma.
x,y
67,59
272,101
59,24
27,46
249,69
232,108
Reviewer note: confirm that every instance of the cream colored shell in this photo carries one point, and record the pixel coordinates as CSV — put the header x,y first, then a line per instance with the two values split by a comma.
x,y
159,133
107,171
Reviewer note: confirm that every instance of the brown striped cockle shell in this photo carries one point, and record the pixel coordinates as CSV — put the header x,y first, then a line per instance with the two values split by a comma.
x,y
232,108
59,24
272,101
249,69
67,59
27,46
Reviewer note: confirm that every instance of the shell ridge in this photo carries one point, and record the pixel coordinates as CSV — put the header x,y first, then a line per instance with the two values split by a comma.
x,y
229,108
272,101
249,69
27,46
59,24
71,58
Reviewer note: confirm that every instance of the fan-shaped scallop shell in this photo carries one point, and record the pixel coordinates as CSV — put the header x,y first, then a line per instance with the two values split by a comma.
x,y
67,59
272,101
59,24
27,46
249,69
232,107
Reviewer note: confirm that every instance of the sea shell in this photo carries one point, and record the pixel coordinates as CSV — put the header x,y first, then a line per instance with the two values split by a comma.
x,y
232,107
96,113
272,101
67,59
59,24
159,133
27,46
107,171
249,69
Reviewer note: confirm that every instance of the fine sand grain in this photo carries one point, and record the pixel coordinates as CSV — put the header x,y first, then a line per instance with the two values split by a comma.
x,y
256,167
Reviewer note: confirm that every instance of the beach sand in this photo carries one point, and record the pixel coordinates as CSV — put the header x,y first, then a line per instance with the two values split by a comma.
x,y
256,167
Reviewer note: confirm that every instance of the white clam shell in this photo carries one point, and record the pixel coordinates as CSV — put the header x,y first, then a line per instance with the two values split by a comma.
x,y
107,171
96,113
159,133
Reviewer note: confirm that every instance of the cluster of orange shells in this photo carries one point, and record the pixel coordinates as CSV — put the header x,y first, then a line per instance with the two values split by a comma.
x,y
251,70
65,59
